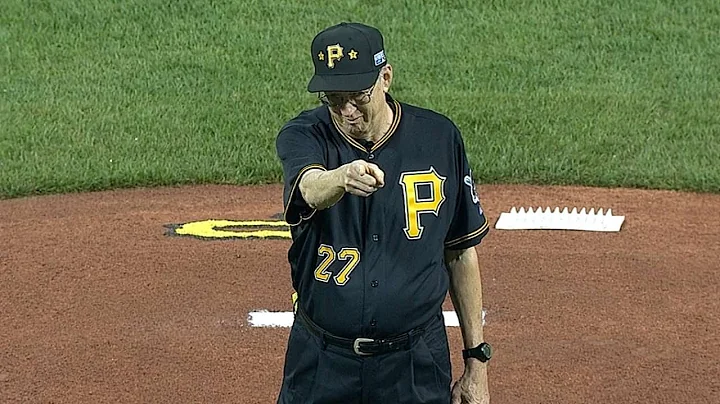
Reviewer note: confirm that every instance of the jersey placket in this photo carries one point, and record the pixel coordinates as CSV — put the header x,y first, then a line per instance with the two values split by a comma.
x,y
373,253
371,229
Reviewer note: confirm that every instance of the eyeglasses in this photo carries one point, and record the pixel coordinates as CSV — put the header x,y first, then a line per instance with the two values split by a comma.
x,y
337,100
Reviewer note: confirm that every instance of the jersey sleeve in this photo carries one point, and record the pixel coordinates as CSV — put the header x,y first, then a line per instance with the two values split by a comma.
x,y
299,151
469,224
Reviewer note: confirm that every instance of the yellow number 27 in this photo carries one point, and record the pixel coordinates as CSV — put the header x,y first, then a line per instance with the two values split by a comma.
x,y
322,273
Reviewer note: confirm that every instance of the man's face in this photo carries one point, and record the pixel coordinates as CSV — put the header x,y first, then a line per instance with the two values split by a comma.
x,y
358,112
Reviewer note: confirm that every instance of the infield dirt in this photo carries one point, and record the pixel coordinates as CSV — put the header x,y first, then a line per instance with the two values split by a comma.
x,y
99,305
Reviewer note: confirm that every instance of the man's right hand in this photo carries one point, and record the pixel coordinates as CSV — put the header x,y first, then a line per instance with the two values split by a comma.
x,y
322,189
362,178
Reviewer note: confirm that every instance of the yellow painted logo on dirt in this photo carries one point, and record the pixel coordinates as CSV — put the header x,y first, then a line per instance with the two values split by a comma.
x,y
231,229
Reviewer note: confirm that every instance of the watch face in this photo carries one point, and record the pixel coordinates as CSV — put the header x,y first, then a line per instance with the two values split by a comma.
x,y
486,350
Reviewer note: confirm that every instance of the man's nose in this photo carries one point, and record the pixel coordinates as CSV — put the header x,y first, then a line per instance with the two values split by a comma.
x,y
347,108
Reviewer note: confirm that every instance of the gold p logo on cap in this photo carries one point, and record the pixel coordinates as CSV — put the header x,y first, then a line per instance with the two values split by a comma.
x,y
334,52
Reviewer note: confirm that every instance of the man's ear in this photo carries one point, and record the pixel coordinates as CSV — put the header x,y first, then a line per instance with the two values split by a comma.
x,y
387,76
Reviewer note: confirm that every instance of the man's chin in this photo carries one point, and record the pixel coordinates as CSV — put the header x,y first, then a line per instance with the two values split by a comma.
x,y
354,129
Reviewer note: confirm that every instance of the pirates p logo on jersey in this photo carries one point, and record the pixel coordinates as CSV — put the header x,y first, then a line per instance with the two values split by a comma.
x,y
415,206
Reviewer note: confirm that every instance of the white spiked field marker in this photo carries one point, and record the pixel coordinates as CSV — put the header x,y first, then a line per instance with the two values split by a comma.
x,y
559,220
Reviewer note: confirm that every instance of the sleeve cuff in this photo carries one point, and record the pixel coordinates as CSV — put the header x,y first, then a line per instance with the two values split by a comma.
x,y
296,209
470,239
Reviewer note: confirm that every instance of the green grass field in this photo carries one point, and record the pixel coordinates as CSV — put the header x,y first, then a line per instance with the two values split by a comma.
x,y
103,94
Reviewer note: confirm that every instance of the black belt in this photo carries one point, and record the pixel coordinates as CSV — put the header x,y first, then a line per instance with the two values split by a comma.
x,y
363,346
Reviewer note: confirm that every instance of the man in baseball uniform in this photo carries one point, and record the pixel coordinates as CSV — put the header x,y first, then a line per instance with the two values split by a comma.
x,y
384,219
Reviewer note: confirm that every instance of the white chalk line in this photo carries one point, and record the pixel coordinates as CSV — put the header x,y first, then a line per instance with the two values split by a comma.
x,y
273,319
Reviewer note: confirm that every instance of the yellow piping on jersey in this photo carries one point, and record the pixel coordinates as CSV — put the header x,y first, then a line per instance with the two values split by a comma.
x,y
476,233
393,126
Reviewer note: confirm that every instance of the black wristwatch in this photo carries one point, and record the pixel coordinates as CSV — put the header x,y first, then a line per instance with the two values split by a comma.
x,y
482,352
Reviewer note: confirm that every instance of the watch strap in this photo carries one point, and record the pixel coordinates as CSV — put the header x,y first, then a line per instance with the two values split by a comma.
x,y
478,352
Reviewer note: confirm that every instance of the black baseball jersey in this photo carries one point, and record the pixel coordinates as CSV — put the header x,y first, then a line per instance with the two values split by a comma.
x,y
374,266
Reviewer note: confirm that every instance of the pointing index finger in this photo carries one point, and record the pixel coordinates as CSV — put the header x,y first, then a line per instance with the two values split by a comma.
x,y
376,172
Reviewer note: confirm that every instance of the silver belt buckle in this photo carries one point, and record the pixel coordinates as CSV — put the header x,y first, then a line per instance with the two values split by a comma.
x,y
356,346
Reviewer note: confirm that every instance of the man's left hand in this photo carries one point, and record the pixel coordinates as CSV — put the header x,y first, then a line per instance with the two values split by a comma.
x,y
472,387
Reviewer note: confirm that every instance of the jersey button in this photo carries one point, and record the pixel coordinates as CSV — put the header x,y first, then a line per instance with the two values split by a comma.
x,y
373,323
374,284
371,156
375,237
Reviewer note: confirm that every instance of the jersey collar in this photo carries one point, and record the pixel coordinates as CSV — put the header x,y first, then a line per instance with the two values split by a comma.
x,y
397,112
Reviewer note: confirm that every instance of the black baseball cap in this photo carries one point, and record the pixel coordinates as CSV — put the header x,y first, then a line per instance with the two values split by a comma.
x,y
347,57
